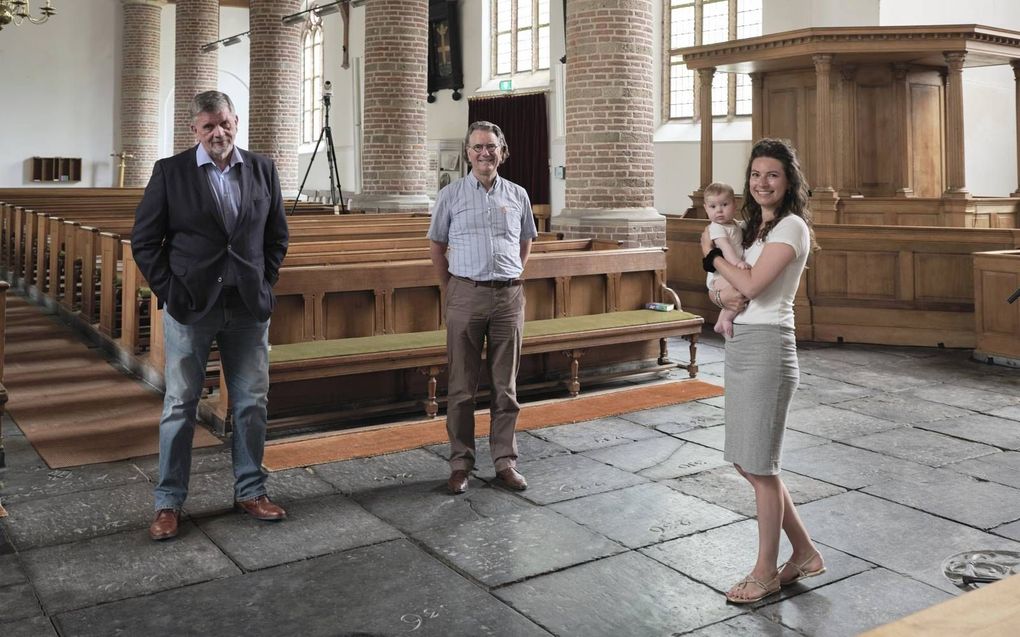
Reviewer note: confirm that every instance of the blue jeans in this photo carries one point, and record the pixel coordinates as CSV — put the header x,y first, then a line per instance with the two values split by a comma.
x,y
244,354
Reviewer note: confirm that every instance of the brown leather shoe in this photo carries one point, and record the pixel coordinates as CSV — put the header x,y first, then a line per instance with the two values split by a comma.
x,y
165,525
511,478
458,482
261,508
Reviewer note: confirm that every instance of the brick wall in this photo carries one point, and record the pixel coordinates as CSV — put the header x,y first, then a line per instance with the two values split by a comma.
x,y
139,101
274,106
396,66
197,23
609,104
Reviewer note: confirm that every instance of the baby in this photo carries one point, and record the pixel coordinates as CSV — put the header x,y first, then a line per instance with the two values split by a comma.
x,y
728,236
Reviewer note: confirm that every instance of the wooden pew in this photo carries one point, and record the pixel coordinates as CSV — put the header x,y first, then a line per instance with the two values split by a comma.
x,y
997,323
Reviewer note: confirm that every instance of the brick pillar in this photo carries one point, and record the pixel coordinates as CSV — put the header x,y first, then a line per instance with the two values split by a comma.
x,y
274,103
197,23
139,89
609,102
394,162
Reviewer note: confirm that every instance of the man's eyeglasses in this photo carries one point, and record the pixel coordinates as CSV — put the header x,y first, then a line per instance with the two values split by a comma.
x,y
480,147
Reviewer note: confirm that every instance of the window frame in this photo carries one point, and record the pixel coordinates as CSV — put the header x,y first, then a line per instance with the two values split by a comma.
x,y
535,27
669,53
313,38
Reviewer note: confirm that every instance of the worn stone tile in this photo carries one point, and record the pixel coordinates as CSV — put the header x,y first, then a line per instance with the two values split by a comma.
x,y
951,495
848,467
851,606
77,516
19,454
113,567
676,418
967,397
644,514
825,390
988,377
626,594
17,602
11,571
417,507
725,487
721,557
659,458
715,437
835,423
565,477
750,624
1012,412
918,445
313,527
38,626
1003,468
715,401
529,447
213,492
594,434
1011,530
384,589
203,460
902,408
378,472
35,481
894,536
1000,432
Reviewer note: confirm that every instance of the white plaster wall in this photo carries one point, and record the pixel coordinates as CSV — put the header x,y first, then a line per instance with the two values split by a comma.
x,y
57,86
786,15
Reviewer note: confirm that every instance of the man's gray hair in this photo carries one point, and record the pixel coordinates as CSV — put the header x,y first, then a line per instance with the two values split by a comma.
x,y
211,102
492,128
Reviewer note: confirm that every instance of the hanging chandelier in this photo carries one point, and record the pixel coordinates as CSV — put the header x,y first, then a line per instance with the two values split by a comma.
x,y
17,11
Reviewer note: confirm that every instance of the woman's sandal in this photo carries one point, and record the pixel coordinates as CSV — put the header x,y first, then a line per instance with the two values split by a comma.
x,y
801,569
768,587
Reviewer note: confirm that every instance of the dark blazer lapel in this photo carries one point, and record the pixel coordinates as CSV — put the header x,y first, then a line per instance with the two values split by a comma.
x,y
246,180
207,200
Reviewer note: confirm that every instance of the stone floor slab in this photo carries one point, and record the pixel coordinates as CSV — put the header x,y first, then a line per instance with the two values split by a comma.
x,y
835,423
750,625
966,397
413,508
33,627
516,545
922,446
1012,412
659,458
715,437
721,557
203,460
35,480
1000,432
594,434
725,487
1003,468
80,515
954,496
353,593
644,514
902,408
212,493
848,467
851,606
380,472
894,536
114,567
313,527
529,447
823,390
627,594
17,602
11,571
1011,530
677,418
566,477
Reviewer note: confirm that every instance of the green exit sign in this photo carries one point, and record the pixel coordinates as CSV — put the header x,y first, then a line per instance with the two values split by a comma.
x,y
506,85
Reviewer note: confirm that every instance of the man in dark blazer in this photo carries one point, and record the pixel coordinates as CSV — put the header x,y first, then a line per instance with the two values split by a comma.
x,y
209,237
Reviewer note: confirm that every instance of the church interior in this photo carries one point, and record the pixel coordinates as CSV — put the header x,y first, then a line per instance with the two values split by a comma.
x,y
902,450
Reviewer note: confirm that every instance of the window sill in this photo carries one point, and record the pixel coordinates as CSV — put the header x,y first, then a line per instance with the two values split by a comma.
x,y
737,129
528,81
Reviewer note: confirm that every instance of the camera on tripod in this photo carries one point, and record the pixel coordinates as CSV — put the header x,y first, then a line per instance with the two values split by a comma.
x,y
335,189
327,91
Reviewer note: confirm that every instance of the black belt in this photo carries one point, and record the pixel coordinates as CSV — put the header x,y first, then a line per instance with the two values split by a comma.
x,y
489,284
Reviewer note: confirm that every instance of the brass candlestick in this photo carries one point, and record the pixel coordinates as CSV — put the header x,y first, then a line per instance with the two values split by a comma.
x,y
120,166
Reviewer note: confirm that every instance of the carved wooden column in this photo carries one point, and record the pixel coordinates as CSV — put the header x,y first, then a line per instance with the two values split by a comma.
x,y
757,107
956,176
824,146
904,146
846,167
1016,83
705,106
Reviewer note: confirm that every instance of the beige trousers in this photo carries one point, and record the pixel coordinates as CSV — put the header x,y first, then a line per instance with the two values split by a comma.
x,y
490,321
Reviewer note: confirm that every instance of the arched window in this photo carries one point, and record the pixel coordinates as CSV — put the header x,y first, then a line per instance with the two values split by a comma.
x,y
311,84
697,22
521,36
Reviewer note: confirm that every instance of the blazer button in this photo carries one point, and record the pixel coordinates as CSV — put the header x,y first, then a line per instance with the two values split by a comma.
x,y
219,279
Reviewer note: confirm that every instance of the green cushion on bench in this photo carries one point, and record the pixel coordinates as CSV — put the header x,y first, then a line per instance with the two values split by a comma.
x,y
437,338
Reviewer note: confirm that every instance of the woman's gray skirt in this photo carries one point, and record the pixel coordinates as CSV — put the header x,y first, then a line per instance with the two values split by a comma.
x,y
761,375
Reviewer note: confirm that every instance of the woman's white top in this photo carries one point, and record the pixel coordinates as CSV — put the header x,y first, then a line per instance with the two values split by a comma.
x,y
774,305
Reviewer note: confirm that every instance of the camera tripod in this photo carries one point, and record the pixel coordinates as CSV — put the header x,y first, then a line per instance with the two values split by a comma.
x,y
335,190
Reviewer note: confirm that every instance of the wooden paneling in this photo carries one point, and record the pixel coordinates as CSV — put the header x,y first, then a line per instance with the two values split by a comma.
x,y
996,277
926,137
